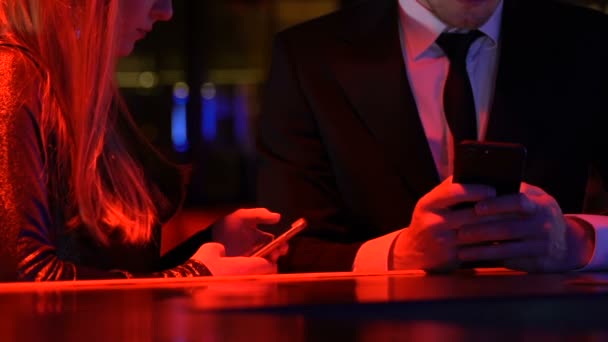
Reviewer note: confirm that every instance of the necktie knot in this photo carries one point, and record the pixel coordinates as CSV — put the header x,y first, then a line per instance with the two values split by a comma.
x,y
456,45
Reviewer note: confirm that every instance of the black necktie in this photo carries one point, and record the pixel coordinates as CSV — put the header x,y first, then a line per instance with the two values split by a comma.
x,y
458,101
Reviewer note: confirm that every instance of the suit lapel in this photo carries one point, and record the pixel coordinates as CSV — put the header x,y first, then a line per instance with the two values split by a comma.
x,y
370,69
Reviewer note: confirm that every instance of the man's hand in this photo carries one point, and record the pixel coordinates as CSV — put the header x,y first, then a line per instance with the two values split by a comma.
x,y
430,242
528,232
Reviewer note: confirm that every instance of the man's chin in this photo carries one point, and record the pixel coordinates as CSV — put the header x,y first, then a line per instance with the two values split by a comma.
x,y
472,3
470,22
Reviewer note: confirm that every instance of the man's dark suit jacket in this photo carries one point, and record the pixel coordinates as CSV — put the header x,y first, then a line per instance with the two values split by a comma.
x,y
341,142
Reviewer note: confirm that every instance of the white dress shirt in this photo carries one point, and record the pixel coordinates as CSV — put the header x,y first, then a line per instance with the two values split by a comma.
x,y
427,68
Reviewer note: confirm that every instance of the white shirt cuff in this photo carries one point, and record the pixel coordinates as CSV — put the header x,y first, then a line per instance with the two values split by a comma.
x,y
373,255
599,259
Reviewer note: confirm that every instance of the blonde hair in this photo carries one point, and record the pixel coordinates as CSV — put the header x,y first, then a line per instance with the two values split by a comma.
x,y
74,43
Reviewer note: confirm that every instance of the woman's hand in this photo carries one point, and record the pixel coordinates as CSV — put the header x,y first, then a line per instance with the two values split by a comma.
x,y
213,255
239,233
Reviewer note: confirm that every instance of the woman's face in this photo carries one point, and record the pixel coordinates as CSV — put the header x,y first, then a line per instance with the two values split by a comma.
x,y
138,17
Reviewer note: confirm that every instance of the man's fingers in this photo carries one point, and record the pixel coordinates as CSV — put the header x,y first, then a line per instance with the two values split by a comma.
x,y
456,218
506,250
449,194
518,204
531,190
511,229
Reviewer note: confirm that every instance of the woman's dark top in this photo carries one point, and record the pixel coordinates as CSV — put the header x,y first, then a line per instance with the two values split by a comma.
x,y
34,241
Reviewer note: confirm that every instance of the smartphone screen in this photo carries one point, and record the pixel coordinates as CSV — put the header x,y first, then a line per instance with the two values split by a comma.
x,y
500,165
295,228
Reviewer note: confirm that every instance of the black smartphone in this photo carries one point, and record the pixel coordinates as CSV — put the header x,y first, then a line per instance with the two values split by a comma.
x,y
295,228
497,164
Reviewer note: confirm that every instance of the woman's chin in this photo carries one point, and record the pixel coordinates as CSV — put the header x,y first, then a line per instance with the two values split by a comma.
x,y
125,50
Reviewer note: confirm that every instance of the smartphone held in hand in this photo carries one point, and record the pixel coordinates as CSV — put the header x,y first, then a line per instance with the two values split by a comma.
x,y
295,228
496,164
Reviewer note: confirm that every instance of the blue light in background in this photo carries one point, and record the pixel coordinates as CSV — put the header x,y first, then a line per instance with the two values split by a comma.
x,y
241,118
179,123
209,112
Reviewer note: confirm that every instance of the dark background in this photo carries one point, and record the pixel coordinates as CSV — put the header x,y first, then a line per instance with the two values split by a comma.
x,y
220,51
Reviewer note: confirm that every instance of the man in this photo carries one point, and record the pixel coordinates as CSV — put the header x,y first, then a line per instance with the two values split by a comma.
x,y
357,133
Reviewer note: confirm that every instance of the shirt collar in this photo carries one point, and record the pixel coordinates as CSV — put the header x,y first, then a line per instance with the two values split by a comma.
x,y
422,28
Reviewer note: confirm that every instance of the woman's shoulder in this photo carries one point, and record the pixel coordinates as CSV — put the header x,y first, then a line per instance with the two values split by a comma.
x,y
17,57
20,81
19,77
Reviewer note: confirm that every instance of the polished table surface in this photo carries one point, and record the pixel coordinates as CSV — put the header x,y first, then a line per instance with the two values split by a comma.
x,y
492,304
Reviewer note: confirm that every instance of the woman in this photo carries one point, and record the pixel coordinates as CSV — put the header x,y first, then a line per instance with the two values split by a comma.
x,y
81,195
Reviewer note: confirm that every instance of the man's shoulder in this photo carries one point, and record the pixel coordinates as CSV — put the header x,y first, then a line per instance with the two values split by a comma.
x,y
558,23
569,16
